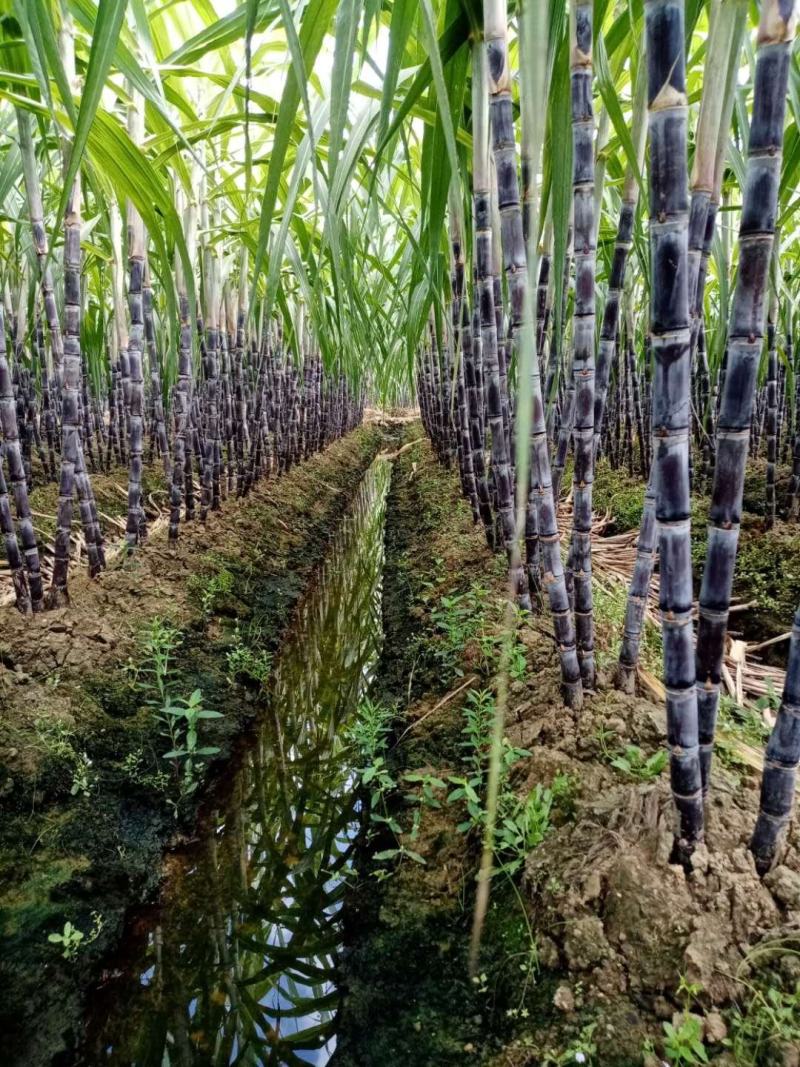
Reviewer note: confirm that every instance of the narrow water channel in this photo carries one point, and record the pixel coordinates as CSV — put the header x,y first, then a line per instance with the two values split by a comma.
x,y
236,964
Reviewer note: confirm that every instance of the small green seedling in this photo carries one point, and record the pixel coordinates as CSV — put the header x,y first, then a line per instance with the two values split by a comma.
x,y
182,718
72,940
635,764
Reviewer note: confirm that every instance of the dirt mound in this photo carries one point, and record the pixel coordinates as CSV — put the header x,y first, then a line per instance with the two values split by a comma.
x,y
621,925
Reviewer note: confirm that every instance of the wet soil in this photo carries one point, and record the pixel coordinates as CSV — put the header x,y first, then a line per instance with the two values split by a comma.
x,y
598,941
84,818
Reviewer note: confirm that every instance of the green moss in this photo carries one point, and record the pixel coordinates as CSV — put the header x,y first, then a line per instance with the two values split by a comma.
x,y
28,905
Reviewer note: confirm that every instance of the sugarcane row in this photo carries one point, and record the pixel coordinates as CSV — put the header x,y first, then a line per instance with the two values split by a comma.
x,y
663,414
251,406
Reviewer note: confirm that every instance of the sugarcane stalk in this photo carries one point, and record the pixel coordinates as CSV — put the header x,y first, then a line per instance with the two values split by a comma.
x,y
13,555
157,399
780,766
182,453
583,327
771,410
136,526
745,337
19,486
540,493
670,339
638,593
487,82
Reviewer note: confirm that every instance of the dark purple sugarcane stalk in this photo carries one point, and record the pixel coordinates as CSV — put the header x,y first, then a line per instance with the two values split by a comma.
x,y
780,437
780,765
771,411
73,472
794,490
36,213
543,291
136,526
484,85
154,367
208,350
492,70
727,30
630,375
745,337
239,385
555,377
583,327
226,416
671,345
216,420
638,593
182,478
505,324
48,413
72,468
13,554
474,407
16,473
464,447
791,399
564,434
87,429
111,443
259,426
34,422
515,262
636,404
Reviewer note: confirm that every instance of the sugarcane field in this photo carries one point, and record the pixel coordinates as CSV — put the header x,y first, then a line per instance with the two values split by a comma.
x,y
399,533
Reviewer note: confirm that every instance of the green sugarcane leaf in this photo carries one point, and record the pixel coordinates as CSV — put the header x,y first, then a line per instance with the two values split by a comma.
x,y
400,26
40,32
447,95
347,19
608,91
316,19
110,15
217,35
449,43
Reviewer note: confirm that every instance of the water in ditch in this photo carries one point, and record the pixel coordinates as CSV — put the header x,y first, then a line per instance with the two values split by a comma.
x,y
237,962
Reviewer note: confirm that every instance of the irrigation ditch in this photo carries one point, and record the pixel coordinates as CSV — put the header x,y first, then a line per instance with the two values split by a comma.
x,y
89,803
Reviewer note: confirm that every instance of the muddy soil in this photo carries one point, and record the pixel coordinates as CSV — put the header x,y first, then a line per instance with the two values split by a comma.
x,y
86,808
597,941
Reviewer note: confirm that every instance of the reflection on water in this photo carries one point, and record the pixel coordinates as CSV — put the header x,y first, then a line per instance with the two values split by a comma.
x,y
237,966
